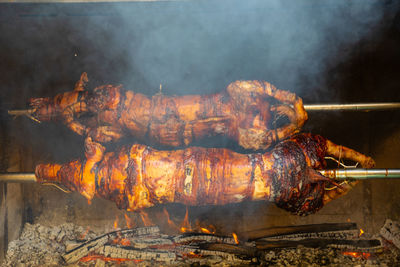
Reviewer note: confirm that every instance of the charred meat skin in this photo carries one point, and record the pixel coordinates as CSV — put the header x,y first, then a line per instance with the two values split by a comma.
x,y
242,112
137,176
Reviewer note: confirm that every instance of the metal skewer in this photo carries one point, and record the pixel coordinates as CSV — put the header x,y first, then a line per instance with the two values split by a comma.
x,y
361,174
20,112
311,107
17,177
353,107
337,174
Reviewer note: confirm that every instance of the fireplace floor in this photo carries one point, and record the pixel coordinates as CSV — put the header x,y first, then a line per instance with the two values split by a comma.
x,y
40,245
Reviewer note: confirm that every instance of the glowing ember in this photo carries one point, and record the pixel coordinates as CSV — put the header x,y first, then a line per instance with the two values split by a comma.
x,y
83,235
361,232
354,254
236,238
145,218
129,222
101,257
121,241
191,254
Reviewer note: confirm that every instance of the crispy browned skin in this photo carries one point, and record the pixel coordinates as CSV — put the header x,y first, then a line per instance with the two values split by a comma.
x,y
137,176
242,113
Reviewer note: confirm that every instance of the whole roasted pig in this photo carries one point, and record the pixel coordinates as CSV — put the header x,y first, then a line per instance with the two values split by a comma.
x,y
137,176
243,113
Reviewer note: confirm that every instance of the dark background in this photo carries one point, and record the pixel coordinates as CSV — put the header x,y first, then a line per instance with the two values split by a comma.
x,y
325,51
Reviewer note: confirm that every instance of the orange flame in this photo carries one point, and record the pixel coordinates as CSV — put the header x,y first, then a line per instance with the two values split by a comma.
x,y
129,222
354,254
205,230
235,237
185,226
145,218
361,232
116,222
191,254
170,222
212,229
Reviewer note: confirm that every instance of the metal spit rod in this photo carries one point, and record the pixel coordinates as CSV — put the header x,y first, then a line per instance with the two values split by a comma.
x,y
337,174
17,177
354,107
361,174
311,107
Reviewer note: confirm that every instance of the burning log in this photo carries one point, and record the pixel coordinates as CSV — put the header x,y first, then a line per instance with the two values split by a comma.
x,y
339,230
244,113
137,176
136,254
371,244
75,254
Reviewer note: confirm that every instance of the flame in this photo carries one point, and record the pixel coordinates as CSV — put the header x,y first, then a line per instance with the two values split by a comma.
x,y
101,257
145,218
185,225
129,222
355,254
361,232
170,222
213,229
235,237
205,230
116,222
191,254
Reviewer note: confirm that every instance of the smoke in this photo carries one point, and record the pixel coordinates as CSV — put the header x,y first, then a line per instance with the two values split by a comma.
x,y
201,47
190,47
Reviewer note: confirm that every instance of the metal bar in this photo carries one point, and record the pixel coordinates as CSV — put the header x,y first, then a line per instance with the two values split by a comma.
x,y
311,107
338,174
17,177
354,107
20,112
361,174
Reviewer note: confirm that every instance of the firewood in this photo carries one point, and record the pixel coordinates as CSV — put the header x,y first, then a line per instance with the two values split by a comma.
x,y
296,229
188,250
391,232
75,254
199,237
318,242
146,242
136,254
341,234
233,249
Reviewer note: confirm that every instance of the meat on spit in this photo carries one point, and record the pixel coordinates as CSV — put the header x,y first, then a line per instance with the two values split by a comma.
x,y
243,113
137,176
